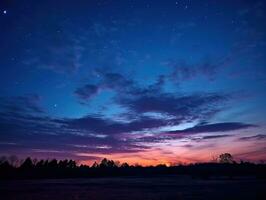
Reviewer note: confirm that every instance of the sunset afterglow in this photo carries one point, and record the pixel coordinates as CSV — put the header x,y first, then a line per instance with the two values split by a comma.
x,y
143,83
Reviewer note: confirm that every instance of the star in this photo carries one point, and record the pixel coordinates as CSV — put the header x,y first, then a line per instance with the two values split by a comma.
x,y
4,11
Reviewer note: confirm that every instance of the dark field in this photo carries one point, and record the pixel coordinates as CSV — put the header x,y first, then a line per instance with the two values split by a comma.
x,y
172,187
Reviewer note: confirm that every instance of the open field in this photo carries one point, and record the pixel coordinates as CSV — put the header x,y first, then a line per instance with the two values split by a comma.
x,y
126,188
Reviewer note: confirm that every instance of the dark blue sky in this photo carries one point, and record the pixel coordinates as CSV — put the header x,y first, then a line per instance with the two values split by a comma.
x,y
137,81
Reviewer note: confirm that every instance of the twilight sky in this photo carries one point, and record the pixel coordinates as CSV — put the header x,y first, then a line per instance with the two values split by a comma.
x,y
140,81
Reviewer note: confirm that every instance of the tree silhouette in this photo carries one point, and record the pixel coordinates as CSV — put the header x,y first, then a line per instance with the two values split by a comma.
x,y
27,164
13,160
95,165
105,163
53,164
124,165
3,159
226,158
32,168
63,163
72,164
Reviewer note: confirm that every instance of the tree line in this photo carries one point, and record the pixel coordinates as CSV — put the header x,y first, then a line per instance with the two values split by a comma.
x,y
222,166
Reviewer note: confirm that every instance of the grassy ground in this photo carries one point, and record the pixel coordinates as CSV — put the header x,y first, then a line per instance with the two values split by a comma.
x,y
137,188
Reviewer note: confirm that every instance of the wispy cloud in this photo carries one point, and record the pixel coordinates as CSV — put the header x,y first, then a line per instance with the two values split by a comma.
x,y
21,104
218,127
254,137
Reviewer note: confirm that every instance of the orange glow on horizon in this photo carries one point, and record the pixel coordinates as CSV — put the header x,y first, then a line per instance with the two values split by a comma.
x,y
174,153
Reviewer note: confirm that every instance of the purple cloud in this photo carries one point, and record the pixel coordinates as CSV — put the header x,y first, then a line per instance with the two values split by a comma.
x,y
100,125
26,130
214,136
182,107
254,137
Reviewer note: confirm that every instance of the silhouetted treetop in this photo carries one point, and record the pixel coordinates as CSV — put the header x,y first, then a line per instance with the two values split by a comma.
x,y
226,158
32,168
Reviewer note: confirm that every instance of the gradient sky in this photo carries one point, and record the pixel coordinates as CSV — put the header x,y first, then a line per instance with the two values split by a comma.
x,y
140,81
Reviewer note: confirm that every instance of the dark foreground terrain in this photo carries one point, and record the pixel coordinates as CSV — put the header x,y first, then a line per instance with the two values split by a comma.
x,y
150,188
